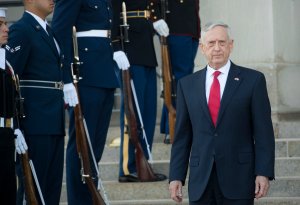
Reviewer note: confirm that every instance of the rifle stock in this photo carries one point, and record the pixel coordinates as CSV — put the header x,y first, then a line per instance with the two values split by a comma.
x,y
167,85
144,170
28,181
168,82
81,135
82,149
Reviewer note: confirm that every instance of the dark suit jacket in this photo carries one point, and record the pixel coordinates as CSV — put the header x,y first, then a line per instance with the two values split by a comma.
x,y
34,57
241,145
95,53
183,18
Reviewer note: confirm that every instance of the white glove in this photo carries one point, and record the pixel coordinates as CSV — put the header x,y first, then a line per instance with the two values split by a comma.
x,y
122,60
70,95
21,146
161,27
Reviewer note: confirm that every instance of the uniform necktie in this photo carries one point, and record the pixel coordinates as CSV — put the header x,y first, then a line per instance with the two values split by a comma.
x,y
214,98
50,34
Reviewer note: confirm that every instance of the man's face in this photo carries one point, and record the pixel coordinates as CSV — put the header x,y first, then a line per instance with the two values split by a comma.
x,y
42,7
3,31
217,47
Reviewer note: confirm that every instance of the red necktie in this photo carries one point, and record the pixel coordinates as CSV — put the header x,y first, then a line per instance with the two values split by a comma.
x,y
214,98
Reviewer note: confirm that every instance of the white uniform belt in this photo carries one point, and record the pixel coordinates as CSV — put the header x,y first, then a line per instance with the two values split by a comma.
x,y
94,33
6,122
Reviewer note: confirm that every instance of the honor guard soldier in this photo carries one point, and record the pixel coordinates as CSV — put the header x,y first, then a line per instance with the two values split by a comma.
x,y
35,55
183,43
93,22
143,20
8,126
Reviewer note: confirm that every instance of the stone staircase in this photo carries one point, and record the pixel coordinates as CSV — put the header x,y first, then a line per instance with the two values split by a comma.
x,y
285,190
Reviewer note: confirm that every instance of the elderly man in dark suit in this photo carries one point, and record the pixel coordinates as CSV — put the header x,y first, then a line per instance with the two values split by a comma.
x,y
224,129
36,57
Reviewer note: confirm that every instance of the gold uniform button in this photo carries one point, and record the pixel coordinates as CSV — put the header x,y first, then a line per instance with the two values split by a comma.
x,y
96,7
86,49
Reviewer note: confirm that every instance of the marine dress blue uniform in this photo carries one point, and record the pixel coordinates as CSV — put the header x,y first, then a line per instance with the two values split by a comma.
x,y
141,55
93,21
183,43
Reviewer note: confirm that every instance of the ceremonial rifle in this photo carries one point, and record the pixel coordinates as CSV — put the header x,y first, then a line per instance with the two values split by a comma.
x,y
168,79
82,133
144,170
25,161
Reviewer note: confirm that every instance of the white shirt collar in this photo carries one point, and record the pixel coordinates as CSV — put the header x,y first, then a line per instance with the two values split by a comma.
x,y
39,20
223,70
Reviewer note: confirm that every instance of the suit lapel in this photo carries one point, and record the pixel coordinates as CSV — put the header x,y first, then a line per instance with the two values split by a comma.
x,y
232,83
202,96
38,28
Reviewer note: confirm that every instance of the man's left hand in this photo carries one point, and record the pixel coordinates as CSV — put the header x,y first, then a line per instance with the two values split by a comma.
x,y
21,146
161,27
261,186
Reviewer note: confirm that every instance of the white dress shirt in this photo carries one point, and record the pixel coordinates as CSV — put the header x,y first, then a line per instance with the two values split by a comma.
x,y
222,78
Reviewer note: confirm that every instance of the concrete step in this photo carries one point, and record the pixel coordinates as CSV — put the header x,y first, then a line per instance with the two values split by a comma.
x,y
109,165
281,189
263,201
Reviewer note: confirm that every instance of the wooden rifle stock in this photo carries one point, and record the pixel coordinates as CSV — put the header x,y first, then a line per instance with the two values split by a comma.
x,y
28,181
81,135
82,148
144,170
169,91
168,81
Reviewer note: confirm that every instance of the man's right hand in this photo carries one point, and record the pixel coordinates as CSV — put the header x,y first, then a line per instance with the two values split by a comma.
x,y
70,95
122,60
175,189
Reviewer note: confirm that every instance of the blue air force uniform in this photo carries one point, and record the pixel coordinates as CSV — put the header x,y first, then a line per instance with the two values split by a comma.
x,y
183,42
36,59
93,22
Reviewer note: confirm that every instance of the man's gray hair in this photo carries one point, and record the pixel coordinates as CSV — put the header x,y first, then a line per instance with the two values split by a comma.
x,y
209,26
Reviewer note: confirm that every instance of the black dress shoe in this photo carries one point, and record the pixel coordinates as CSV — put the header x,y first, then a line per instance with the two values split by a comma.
x,y
134,178
160,177
167,139
129,178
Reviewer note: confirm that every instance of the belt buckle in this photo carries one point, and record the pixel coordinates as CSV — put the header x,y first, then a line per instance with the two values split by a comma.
x,y
8,122
147,14
108,33
58,85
